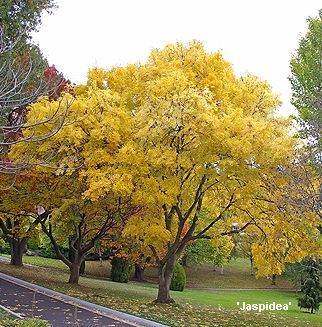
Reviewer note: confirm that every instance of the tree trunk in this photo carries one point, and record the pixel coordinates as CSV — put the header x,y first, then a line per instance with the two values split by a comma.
x,y
274,279
76,257
82,268
165,272
139,273
74,273
184,261
17,248
71,257
251,265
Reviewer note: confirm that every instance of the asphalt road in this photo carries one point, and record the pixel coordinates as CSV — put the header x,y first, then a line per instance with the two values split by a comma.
x,y
29,302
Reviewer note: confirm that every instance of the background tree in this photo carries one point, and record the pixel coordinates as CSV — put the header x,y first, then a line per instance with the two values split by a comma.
x,y
17,222
306,81
22,63
70,221
215,251
295,239
24,73
130,250
17,229
20,18
243,246
77,155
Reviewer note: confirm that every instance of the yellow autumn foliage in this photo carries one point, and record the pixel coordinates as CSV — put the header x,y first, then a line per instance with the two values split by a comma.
x,y
181,136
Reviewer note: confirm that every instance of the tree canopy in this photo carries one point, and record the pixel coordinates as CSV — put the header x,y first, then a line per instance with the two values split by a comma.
x,y
306,81
19,18
196,148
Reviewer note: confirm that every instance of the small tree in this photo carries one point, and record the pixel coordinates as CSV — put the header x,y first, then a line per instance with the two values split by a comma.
x,y
243,246
311,287
215,251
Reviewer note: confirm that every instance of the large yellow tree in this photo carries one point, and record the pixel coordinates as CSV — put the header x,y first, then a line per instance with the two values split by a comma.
x,y
186,141
205,143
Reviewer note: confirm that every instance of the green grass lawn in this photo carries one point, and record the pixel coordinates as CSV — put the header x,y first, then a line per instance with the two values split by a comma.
x,y
193,307
236,273
5,317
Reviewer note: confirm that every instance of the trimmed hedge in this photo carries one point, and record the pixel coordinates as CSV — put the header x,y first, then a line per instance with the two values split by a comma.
x,y
121,270
178,281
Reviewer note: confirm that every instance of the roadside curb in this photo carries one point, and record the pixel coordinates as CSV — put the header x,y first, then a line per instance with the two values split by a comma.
x,y
17,315
246,289
136,321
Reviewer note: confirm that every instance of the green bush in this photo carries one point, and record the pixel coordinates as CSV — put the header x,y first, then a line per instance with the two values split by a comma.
x,y
178,281
121,270
47,253
2,243
5,248
33,242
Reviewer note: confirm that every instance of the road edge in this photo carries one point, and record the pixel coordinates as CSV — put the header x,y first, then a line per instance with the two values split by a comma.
x,y
125,317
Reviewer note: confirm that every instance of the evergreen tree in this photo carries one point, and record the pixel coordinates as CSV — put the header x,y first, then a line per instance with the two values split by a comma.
x,y
311,286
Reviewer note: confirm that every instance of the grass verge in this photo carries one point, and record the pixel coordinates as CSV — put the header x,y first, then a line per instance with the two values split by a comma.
x,y
193,307
5,316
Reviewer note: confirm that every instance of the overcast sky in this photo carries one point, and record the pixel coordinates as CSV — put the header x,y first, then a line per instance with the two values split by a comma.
x,y
256,36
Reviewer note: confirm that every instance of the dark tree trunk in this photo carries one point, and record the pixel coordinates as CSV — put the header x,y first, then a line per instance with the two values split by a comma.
x,y
274,279
17,249
165,272
76,257
251,265
138,273
139,270
71,258
184,261
74,273
82,268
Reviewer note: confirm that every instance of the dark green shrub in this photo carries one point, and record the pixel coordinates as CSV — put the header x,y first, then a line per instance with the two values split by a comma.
x,y
5,248
121,269
33,242
47,253
178,281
